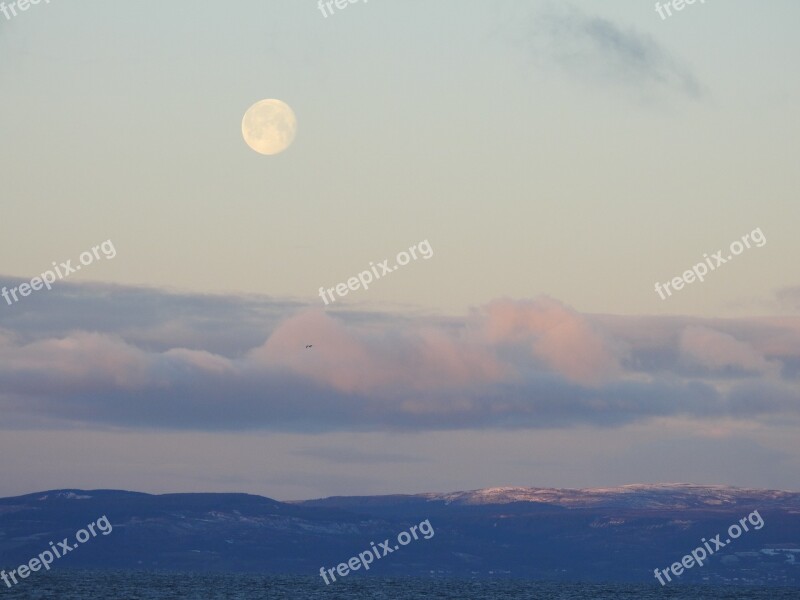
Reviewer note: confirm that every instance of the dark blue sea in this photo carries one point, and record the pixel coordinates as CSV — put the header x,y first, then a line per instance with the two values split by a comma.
x,y
80,585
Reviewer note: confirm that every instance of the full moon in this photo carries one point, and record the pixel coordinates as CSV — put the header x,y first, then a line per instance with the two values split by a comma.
x,y
269,126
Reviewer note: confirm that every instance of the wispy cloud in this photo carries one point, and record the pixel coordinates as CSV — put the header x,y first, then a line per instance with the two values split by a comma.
x,y
597,50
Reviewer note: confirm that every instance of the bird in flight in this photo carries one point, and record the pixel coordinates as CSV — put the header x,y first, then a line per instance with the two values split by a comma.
x,y
309,345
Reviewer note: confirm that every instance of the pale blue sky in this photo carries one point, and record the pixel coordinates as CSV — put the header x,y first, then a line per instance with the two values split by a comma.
x,y
466,123
581,151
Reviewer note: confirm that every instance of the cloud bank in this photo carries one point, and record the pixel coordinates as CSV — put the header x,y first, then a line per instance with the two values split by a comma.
x,y
159,360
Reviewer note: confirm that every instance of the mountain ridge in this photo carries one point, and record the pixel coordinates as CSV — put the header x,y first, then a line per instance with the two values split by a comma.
x,y
598,534
577,497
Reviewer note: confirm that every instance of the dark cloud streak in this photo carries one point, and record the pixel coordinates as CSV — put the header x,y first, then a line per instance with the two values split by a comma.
x,y
599,51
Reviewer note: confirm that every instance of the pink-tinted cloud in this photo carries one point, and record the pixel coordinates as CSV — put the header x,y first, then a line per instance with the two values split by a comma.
x,y
719,351
362,361
79,361
510,364
560,337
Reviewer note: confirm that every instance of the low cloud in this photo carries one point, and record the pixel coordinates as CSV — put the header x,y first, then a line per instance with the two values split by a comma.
x,y
510,364
558,336
721,352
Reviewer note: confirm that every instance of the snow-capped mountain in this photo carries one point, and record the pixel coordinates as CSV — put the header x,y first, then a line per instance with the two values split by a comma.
x,y
654,496
611,534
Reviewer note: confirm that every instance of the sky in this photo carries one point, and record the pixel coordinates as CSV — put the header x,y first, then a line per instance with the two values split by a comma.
x,y
550,162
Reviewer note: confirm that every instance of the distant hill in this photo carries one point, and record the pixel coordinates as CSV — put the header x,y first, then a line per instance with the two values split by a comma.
x,y
608,534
